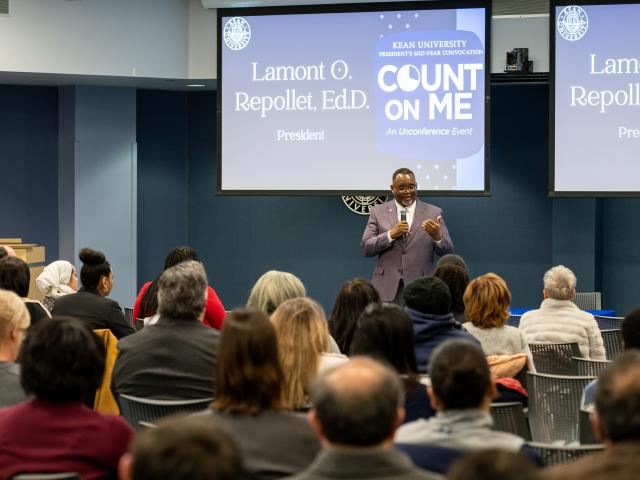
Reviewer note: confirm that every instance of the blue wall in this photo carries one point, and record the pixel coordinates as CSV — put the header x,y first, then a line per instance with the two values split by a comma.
x,y
162,178
29,165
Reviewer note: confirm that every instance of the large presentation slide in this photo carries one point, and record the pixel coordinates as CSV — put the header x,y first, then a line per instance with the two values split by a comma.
x,y
333,102
597,99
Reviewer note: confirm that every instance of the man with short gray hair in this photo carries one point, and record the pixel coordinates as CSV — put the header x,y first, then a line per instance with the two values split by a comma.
x,y
357,408
559,320
175,358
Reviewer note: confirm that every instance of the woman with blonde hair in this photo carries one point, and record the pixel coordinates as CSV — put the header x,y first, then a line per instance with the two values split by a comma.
x,y
303,346
14,322
273,288
249,401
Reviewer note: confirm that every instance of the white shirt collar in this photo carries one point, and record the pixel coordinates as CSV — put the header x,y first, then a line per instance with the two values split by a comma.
x,y
411,208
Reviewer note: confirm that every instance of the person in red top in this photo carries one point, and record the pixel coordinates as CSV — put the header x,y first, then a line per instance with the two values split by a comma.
x,y
55,432
147,300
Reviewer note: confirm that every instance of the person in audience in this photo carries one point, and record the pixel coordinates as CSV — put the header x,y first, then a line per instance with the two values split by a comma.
x,y
428,303
273,288
630,333
174,358
63,361
250,403
487,300
453,259
90,303
15,277
461,392
559,320
616,422
146,304
303,343
352,299
493,464
14,322
457,279
182,448
356,410
385,333
56,280
6,251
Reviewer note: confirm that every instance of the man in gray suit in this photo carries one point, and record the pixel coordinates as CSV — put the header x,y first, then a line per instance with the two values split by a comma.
x,y
404,233
175,358
357,408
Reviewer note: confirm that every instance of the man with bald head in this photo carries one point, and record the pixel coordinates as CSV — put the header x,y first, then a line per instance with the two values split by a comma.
x,y
357,408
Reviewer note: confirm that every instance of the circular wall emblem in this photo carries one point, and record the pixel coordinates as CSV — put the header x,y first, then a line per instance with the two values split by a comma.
x,y
572,23
361,204
236,33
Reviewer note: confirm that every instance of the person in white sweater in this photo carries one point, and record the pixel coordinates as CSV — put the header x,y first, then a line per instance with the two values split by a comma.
x,y
559,320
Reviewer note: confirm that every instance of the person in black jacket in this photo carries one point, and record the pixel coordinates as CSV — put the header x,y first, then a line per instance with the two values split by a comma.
x,y
90,303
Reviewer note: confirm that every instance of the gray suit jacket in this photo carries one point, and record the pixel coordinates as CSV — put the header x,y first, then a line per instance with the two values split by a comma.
x,y
173,359
372,464
408,258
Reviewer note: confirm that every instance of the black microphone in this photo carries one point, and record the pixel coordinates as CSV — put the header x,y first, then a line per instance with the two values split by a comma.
x,y
403,218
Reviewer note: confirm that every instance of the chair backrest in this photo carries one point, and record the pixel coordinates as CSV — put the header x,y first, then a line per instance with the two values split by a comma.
x,y
612,341
555,358
555,454
128,315
587,435
139,324
509,417
514,320
589,368
46,476
554,405
608,323
588,300
136,410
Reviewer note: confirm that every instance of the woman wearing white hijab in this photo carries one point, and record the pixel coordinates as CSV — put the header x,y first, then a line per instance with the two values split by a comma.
x,y
56,280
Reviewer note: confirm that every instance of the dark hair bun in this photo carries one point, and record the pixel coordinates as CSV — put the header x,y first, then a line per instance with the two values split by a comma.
x,y
89,256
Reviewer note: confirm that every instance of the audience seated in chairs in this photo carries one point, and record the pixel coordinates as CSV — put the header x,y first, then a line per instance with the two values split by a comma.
x,y
182,448
249,400
63,361
559,320
356,410
461,391
385,333
14,322
15,277
352,299
457,279
630,332
303,347
174,358
273,288
146,304
428,303
616,422
57,280
90,303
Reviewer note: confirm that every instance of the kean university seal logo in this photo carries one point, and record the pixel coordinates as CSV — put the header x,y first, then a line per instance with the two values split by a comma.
x,y
236,33
572,23
361,204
